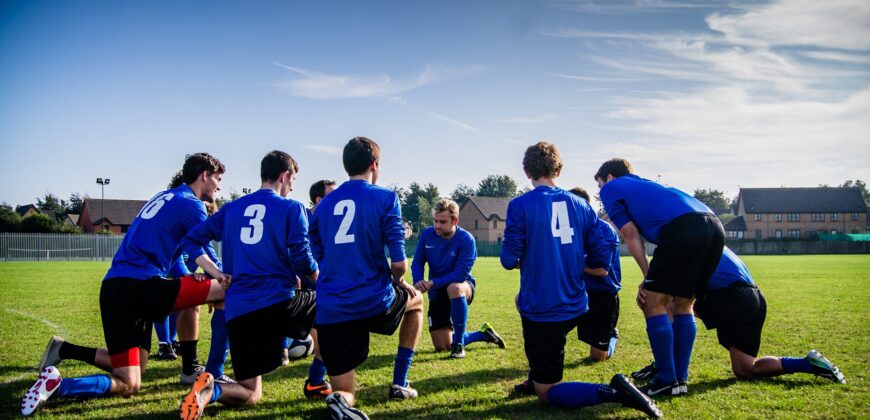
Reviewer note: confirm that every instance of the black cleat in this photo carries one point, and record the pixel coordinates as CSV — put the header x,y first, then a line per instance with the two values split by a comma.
x,y
525,388
645,374
457,351
339,409
632,397
654,389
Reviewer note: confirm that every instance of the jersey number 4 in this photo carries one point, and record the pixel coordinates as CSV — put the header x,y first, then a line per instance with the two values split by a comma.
x,y
254,233
561,223
346,208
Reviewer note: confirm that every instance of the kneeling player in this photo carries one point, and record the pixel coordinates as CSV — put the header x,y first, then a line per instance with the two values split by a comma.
x,y
735,308
547,233
265,242
133,294
450,252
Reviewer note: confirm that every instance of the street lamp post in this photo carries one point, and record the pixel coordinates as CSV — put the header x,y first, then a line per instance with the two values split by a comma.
x,y
103,182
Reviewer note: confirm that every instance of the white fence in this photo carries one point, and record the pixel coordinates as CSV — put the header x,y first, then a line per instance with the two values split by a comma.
x,y
59,247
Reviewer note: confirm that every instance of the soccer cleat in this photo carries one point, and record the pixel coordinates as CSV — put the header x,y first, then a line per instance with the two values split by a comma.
x,y
398,392
224,379
199,396
339,409
824,368
654,389
684,388
491,335
648,372
191,379
525,388
285,358
46,385
51,354
632,397
457,351
165,352
316,392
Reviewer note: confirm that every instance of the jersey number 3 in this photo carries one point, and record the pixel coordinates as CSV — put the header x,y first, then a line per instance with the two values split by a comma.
x,y
561,223
254,233
348,209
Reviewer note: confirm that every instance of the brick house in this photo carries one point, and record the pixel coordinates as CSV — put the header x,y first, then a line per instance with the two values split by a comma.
x,y
115,215
797,212
484,217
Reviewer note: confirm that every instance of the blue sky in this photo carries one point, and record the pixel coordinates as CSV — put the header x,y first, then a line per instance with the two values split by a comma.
x,y
702,93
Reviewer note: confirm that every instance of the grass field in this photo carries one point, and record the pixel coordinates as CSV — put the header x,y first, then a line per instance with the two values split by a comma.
x,y
813,302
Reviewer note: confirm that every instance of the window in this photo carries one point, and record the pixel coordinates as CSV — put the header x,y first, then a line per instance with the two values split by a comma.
x,y
794,233
812,233
834,232
475,225
777,217
794,217
495,224
757,217
834,217
854,217
757,233
778,233
818,217
732,233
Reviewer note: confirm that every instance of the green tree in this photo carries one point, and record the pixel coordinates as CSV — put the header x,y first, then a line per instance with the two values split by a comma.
x,y
417,204
75,204
859,184
461,193
497,186
52,203
38,223
714,199
9,219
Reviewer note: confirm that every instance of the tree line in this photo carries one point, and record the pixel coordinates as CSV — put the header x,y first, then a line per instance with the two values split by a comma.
x,y
11,221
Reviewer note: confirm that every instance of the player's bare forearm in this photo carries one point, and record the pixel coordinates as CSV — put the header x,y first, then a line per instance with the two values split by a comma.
x,y
398,269
209,266
313,276
600,272
634,242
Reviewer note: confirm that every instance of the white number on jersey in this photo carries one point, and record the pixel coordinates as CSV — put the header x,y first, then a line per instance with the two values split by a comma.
x,y
561,223
346,208
152,207
252,234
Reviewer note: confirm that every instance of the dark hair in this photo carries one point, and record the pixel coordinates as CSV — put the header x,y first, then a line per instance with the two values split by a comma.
x,y
318,189
176,180
580,192
359,154
617,167
197,163
275,163
542,160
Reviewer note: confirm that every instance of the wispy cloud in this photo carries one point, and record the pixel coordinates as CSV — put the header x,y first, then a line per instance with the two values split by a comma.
x,y
431,114
597,79
837,56
633,6
316,85
528,120
329,150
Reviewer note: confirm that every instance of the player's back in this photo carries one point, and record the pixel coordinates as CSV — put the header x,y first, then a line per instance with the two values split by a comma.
x,y
547,230
730,270
149,247
612,282
350,229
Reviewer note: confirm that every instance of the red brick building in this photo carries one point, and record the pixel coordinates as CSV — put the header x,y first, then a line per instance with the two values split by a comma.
x,y
116,216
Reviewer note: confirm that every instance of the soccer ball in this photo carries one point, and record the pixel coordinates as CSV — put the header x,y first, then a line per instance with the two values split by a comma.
x,y
300,349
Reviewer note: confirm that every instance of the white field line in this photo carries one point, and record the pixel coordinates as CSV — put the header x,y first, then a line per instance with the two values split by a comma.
x,y
57,328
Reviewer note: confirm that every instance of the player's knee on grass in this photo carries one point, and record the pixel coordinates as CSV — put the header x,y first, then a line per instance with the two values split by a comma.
x,y
442,338
742,364
597,355
541,390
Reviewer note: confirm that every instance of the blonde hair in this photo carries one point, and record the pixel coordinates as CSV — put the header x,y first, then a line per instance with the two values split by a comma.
x,y
446,204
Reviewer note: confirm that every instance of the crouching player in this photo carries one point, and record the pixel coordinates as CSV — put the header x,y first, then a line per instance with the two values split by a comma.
x,y
450,252
735,308
547,233
265,244
133,294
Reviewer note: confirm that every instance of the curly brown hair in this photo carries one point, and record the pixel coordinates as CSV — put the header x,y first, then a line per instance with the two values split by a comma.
x,y
542,160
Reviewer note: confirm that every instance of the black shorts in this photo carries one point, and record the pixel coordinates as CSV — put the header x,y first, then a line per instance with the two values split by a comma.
x,y
598,324
737,314
439,308
129,307
345,345
544,343
257,338
688,252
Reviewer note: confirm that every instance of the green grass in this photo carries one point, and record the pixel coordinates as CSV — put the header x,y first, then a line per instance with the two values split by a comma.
x,y
813,302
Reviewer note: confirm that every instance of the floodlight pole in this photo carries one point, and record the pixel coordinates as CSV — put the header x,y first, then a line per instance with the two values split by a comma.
x,y
103,182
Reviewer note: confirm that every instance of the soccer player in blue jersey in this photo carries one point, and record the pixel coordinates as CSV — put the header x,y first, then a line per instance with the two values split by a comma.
x,y
598,326
548,235
134,294
450,252
359,291
735,308
265,245
690,240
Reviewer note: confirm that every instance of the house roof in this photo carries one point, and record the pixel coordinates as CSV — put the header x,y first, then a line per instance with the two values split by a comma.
x,y
490,206
73,218
802,200
23,209
737,224
117,212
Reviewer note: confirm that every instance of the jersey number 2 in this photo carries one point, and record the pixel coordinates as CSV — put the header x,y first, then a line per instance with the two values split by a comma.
x,y
561,223
252,234
348,209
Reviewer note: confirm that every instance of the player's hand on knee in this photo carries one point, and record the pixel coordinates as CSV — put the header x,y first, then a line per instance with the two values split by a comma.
x,y
200,277
641,295
412,292
224,279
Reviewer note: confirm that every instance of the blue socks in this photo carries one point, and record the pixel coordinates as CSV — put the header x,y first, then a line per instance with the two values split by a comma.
x,y
162,330
661,341
173,331
459,316
473,337
579,394
685,330
403,365
794,365
216,394
220,346
85,387
317,372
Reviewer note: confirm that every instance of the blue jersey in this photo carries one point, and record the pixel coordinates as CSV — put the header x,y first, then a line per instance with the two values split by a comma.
x,y
150,246
450,260
350,231
265,246
729,271
611,283
548,232
649,205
